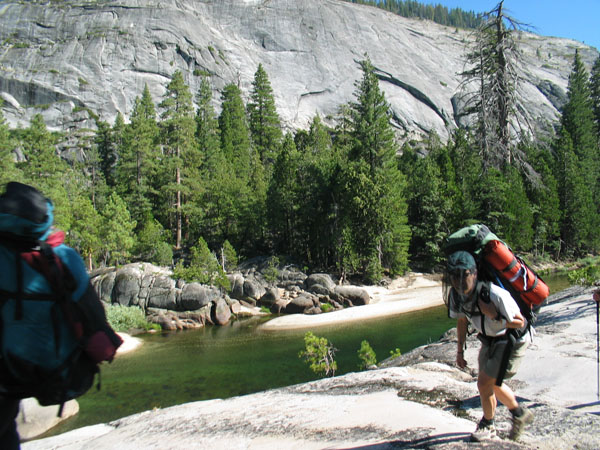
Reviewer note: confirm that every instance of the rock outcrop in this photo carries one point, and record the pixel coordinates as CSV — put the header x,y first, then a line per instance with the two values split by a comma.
x,y
176,305
71,60
419,400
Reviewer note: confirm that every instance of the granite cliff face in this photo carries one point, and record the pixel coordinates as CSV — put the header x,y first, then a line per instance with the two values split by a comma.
x,y
72,59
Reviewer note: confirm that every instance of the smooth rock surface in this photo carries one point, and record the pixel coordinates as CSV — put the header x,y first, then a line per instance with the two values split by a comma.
x,y
60,59
418,400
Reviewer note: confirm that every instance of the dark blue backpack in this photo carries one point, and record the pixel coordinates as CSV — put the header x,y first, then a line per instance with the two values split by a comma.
x,y
53,330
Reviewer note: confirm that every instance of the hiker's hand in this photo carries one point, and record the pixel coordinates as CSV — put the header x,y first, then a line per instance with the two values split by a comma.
x,y
460,360
596,296
488,309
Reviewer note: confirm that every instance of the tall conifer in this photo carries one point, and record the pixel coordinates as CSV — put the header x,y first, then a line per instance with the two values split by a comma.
x,y
178,128
375,209
263,119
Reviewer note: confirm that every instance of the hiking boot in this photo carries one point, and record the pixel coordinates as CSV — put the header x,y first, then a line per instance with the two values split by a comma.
x,y
484,432
519,423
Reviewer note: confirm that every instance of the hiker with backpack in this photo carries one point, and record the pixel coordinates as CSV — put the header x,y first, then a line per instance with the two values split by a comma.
x,y
493,312
53,328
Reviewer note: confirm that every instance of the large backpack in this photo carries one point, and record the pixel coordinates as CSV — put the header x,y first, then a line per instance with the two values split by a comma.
x,y
53,329
496,263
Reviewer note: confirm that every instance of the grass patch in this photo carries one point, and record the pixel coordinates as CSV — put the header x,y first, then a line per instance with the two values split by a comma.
x,y
126,318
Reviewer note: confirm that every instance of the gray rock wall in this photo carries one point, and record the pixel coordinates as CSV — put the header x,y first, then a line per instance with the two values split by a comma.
x,y
61,58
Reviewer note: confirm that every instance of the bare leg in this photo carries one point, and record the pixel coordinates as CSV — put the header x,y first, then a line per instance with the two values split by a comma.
x,y
485,385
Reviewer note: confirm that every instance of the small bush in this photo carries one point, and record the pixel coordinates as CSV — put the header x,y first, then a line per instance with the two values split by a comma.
x,y
395,353
319,354
271,273
326,307
586,276
126,318
366,355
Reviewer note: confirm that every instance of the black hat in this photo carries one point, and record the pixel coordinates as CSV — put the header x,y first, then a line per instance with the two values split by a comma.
x,y
24,201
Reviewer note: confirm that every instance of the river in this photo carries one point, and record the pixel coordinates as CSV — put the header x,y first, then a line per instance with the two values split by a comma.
x,y
240,358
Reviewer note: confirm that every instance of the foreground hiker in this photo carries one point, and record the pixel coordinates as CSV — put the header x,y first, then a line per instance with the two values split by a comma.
x,y
53,329
492,311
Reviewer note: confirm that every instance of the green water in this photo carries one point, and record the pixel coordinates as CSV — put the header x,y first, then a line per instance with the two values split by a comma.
x,y
221,362
241,358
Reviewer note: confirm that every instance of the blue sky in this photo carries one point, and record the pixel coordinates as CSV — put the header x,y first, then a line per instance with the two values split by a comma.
x,y
574,19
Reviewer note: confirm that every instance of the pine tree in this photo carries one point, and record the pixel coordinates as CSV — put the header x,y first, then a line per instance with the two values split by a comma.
x,y
235,134
543,195
85,234
427,207
106,151
45,169
264,123
578,165
282,199
207,128
243,216
595,92
178,128
116,230
490,86
375,209
577,216
578,119
139,156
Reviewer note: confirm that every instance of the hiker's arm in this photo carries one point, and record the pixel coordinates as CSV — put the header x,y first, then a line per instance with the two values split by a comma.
x,y
596,296
517,322
461,332
488,309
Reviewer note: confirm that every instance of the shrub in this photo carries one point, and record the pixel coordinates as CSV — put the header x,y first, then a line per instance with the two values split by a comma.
x,y
126,318
326,307
395,353
271,273
366,355
319,353
203,268
229,259
586,276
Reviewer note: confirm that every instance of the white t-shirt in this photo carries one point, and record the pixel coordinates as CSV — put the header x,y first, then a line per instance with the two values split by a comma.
x,y
501,299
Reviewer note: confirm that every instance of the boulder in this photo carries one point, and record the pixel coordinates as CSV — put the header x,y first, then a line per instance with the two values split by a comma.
x,y
355,294
165,321
319,289
195,296
300,304
127,287
235,306
163,294
278,307
253,289
236,280
321,279
270,297
221,313
104,286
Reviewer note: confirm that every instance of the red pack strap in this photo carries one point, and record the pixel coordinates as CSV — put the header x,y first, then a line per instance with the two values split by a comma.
x,y
46,262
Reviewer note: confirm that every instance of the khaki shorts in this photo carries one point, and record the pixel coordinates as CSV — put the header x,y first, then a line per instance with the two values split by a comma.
x,y
490,358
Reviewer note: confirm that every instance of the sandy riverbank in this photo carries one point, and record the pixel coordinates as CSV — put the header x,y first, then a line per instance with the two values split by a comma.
x,y
411,292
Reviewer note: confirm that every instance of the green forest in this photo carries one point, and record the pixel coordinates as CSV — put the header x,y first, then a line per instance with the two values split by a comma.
x,y
454,17
176,182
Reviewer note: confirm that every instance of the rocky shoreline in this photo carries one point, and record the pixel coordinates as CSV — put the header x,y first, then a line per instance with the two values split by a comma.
x,y
418,400
256,287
